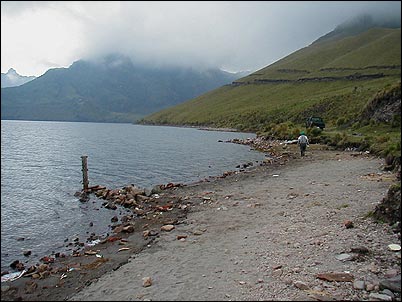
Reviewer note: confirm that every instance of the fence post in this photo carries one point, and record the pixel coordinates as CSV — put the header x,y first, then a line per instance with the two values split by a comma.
x,y
84,172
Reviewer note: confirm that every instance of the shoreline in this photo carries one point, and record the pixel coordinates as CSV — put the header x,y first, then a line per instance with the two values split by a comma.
x,y
205,128
13,254
75,273
56,267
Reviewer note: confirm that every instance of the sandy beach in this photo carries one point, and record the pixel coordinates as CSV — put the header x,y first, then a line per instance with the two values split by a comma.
x,y
272,232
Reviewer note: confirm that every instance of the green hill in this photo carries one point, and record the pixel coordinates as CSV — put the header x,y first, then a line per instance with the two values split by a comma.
x,y
333,78
321,75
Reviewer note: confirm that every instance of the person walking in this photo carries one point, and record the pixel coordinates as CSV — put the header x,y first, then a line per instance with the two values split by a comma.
x,y
302,141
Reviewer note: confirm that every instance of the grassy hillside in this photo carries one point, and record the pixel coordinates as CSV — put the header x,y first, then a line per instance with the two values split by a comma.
x,y
331,78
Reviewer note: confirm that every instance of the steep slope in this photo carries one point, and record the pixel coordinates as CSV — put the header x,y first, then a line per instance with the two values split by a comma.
x,y
332,77
110,90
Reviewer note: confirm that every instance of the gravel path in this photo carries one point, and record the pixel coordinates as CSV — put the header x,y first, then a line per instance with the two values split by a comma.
x,y
265,235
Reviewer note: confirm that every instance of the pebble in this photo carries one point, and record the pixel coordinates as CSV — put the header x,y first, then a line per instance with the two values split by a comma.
x,y
27,253
393,284
379,297
167,227
358,284
369,286
388,292
301,285
146,281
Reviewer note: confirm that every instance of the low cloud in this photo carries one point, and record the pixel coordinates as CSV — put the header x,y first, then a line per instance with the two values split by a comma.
x,y
230,35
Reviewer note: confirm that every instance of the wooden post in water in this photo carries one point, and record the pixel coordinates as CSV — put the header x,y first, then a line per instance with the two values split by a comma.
x,y
84,172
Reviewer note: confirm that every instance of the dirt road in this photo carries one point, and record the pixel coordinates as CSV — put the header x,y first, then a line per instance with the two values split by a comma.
x,y
265,235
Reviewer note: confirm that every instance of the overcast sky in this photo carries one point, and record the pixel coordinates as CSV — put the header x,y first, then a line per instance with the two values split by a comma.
x,y
234,36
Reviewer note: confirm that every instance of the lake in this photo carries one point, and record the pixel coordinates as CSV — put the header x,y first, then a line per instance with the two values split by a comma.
x,y
41,172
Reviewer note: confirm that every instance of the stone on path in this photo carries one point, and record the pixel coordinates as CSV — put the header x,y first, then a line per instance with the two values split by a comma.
x,y
393,284
167,227
379,297
340,277
146,281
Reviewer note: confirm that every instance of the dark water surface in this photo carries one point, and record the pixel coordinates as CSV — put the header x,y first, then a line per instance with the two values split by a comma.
x,y
41,171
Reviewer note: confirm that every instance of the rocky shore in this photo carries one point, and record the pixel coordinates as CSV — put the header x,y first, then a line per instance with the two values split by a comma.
x,y
289,228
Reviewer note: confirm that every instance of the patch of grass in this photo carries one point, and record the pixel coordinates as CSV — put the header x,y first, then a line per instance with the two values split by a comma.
x,y
314,203
378,220
342,206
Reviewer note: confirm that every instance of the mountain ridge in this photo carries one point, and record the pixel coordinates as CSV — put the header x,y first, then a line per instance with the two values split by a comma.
x,y
110,90
12,79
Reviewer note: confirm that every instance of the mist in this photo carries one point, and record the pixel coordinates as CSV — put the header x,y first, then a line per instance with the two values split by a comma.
x,y
233,36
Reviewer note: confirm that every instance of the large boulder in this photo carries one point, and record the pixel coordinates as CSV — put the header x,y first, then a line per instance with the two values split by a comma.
x,y
389,209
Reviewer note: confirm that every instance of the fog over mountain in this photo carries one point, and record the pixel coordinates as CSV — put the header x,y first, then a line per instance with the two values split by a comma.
x,y
231,35
110,89
362,23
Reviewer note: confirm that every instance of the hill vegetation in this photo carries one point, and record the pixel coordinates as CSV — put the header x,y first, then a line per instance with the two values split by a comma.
x,y
335,78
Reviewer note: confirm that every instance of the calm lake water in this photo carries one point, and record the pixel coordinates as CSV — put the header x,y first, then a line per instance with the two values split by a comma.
x,y
41,171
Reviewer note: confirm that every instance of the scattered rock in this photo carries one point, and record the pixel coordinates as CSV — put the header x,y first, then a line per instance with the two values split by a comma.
x,y
390,273
90,252
27,253
14,264
394,247
359,284
110,205
370,287
359,250
128,229
340,277
277,273
167,227
344,257
146,281
348,224
393,283
379,297
388,293
301,285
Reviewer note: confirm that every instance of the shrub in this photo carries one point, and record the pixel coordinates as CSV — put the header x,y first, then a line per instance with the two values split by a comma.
x,y
340,121
316,132
383,138
296,132
396,121
364,145
336,139
281,131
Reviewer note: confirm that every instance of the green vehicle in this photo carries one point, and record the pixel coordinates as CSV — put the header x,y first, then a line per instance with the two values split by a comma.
x,y
315,121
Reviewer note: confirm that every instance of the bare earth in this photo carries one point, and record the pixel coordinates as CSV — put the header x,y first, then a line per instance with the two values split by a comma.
x,y
265,234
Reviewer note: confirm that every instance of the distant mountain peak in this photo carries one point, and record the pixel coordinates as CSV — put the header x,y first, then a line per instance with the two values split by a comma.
x,y
12,78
